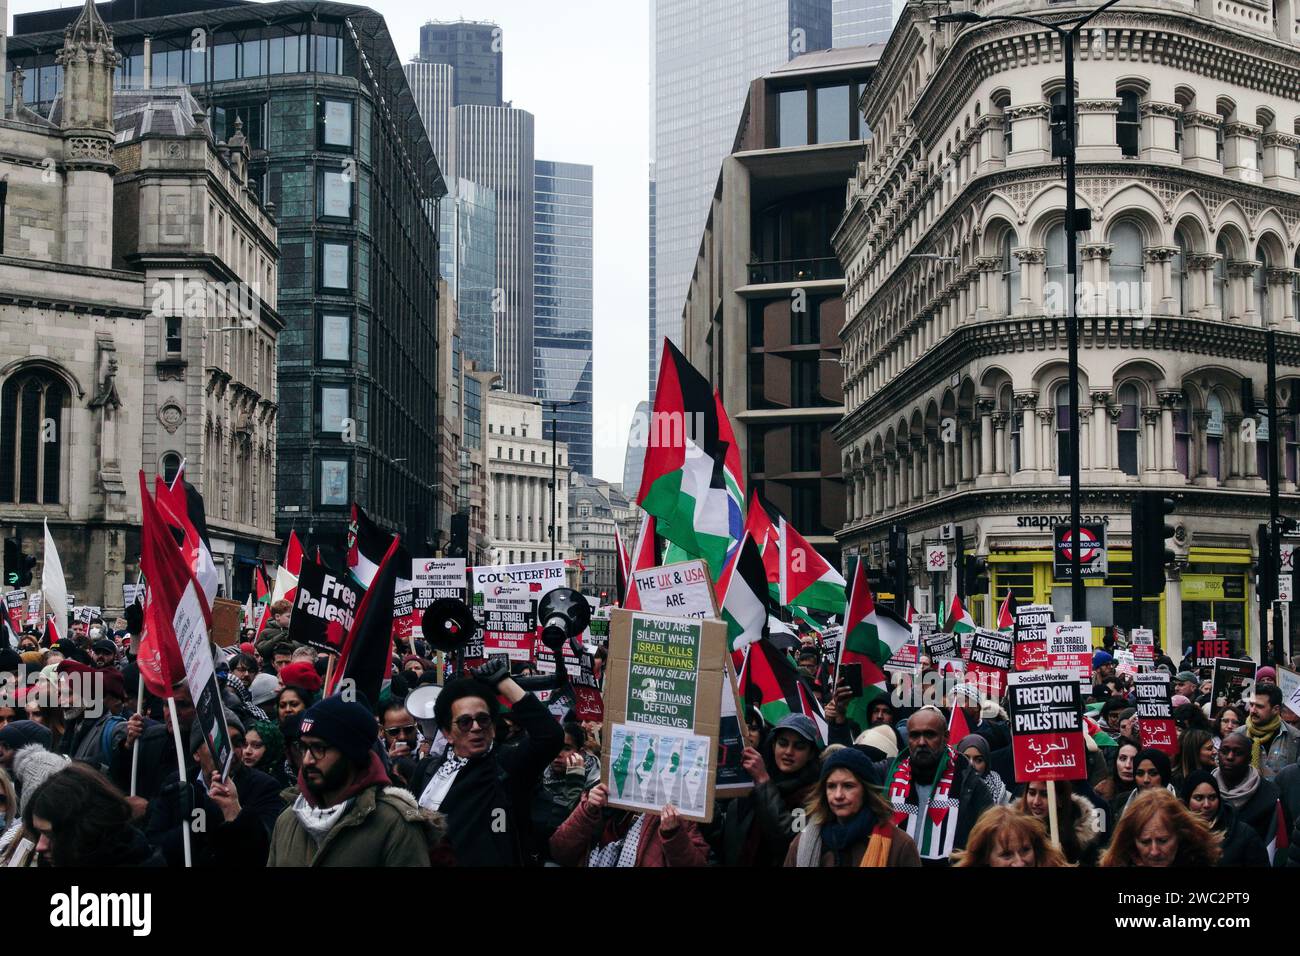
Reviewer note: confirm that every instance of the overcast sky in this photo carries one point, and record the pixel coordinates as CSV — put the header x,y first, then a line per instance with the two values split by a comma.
x,y
581,67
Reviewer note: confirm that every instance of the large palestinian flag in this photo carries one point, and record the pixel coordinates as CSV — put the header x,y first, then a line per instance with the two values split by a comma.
x,y
771,684
745,600
872,634
807,579
960,623
367,545
691,467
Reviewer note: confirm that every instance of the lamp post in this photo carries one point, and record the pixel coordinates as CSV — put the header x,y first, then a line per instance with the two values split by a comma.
x,y
1067,31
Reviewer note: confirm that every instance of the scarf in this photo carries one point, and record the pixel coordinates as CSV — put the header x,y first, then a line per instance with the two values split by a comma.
x,y
319,821
619,852
1261,735
839,836
1236,797
440,784
245,698
934,834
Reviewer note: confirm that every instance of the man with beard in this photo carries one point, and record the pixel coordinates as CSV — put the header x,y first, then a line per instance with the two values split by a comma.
x,y
935,789
96,735
343,811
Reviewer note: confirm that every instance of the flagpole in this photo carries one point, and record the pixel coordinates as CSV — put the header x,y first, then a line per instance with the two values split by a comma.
x,y
135,744
180,770
1051,813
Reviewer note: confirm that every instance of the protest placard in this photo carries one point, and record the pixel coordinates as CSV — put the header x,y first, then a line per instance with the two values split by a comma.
x,y
35,604
323,608
1288,682
663,689
990,660
1234,680
677,590
1155,714
940,645
1143,645
905,660
15,604
1069,649
132,593
1031,636
509,622
1046,711
1207,651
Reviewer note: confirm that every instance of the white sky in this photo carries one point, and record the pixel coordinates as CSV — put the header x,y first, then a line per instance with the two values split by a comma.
x,y
581,67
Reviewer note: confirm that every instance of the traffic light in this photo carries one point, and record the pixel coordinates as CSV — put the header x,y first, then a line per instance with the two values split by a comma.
x,y
1153,540
459,544
1248,407
1266,585
975,575
896,567
18,566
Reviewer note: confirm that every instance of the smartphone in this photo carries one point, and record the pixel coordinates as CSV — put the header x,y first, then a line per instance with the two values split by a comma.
x,y
851,675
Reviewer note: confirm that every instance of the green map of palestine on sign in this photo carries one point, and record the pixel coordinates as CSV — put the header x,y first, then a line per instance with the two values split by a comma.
x,y
663,671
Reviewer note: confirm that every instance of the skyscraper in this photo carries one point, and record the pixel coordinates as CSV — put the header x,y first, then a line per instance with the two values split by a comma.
x,y
562,301
704,55
859,22
474,227
432,86
474,50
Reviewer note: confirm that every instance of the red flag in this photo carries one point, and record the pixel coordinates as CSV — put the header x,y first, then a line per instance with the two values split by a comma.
x,y
643,556
1007,613
623,567
170,506
766,535
168,574
368,647
958,728
286,578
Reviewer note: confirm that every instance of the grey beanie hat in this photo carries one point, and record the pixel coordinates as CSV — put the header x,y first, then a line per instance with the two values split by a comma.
x,y
801,725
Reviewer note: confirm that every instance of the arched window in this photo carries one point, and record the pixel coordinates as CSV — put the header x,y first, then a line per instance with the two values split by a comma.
x,y
1295,287
1063,430
1221,278
1129,429
1183,436
1291,450
1128,124
1126,269
1006,404
1178,272
1214,437
31,438
1261,289
1011,273
171,464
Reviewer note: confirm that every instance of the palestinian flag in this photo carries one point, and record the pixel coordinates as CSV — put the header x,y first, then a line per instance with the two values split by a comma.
x,y
685,483
960,623
766,533
367,545
1279,839
958,726
367,649
745,604
1007,613
807,579
181,505
622,568
872,634
644,555
771,684
733,476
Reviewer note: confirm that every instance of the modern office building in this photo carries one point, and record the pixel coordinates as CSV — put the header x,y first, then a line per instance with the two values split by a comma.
x,y
955,334
764,309
473,50
338,146
473,213
861,22
704,55
634,456
432,87
562,302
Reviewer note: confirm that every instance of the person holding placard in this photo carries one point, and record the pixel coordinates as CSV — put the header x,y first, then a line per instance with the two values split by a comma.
x,y
1241,845
1078,824
1005,837
598,835
1158,831
848,823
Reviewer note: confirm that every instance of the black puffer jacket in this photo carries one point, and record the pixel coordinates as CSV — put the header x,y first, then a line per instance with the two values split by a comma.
x,y
757,830
1241,845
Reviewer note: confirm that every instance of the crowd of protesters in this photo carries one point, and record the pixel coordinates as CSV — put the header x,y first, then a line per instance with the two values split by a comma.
x,y
497,777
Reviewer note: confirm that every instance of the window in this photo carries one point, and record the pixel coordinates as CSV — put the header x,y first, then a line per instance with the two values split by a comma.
x,y
1054,292
1178,133
792,113
1002,103
335,121
1128,124
1214,437
1183,436
1009,406
335,266
334,194
1178,272
334,408
171,464
1221,278
1261,289
805,450
1010,273
1291,449
174,325
1063,430
1126,270
335,338
333,488
31,438
1129,429
834,109
1295,287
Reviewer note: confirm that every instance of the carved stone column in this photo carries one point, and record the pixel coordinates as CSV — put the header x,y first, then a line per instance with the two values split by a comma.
x,y
985,408
1169,402
1159,261
1150,444
1026,402
1030,261
999,420
1101,430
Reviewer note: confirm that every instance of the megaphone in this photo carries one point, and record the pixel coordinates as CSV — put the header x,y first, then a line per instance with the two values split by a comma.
x,y
564,614
448,624
420,705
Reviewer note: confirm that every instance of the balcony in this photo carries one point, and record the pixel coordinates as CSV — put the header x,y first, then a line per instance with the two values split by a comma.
x,y
795,270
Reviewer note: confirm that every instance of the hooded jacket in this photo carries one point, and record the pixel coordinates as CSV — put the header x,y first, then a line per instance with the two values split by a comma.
x,y
384,826
573,842
1241,845
756,830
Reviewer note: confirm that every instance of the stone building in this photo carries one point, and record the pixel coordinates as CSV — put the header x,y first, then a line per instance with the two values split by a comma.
x,y
591,533
955,331
111,261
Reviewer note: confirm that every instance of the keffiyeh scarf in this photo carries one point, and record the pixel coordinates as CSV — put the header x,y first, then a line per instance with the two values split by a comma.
x,y
619,852
935,832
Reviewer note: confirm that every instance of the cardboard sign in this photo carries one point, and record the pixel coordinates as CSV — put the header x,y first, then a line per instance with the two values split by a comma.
x,y
677,590
589,703
1144,645
1125,663
1046,710
323,608
1288,682
1031,636
663,706
88,613
1207,651
990,660
512,632
923,624
196,653
941,644
1069,649
1233,680
226,618
1155,713
905,660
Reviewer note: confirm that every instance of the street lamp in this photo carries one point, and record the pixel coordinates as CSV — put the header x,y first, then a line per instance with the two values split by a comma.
x,y
1067,31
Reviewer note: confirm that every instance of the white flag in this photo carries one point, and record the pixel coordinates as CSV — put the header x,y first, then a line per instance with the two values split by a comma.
x,y
53,586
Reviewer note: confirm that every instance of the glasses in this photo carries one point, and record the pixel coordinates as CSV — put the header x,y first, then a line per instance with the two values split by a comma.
x,y
466,721
398,731
317,750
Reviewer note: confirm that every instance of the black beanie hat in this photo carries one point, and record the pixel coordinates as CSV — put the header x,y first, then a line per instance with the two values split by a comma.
x,y
343,724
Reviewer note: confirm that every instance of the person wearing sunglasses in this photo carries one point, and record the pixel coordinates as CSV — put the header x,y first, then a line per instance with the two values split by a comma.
x,y
344,811
486,792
